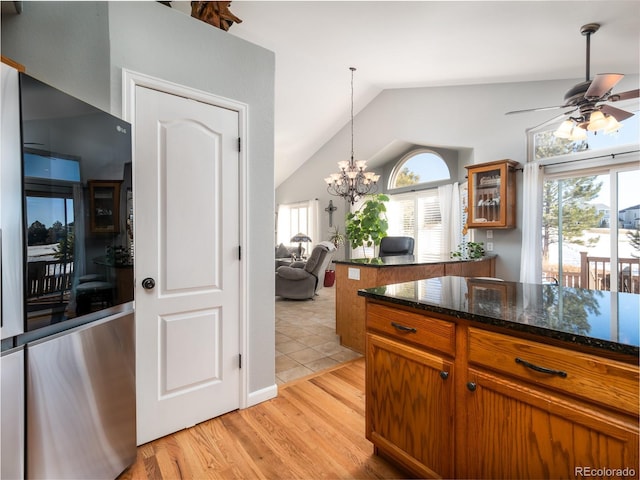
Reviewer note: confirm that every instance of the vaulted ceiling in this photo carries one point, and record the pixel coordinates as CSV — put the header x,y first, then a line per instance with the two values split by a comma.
x,y
401,44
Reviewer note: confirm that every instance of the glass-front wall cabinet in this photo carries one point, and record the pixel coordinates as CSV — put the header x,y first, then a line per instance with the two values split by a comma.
x,y
492,195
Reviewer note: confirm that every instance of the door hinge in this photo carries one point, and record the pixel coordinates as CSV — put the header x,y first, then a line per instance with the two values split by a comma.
x,y
239,360
239,144
239,252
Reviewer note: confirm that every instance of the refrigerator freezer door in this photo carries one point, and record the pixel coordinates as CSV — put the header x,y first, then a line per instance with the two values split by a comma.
x,y
12,413
11,278
81,401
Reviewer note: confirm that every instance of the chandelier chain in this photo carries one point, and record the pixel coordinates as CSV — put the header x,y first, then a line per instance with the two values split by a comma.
x,y
353,69
352,182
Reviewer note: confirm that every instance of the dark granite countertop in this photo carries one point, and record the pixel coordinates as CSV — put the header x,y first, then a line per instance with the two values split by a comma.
x,y
593,318
401,260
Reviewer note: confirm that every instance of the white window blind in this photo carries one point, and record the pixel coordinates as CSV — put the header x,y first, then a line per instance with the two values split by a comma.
x,y
417,215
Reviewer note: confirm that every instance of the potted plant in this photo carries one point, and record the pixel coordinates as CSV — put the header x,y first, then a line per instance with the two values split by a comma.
x,y
368,225
337,238
469,251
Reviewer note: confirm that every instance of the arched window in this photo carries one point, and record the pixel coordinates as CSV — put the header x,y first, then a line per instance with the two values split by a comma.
x,y
419,167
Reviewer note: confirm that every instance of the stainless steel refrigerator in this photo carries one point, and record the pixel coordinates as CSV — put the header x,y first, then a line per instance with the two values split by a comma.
x,y
68,356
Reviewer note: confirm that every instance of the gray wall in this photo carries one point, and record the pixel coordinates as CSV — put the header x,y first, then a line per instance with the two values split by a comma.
x,y
82,47
470,119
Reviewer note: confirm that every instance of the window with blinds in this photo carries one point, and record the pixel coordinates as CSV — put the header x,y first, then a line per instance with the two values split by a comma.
x,y
417,215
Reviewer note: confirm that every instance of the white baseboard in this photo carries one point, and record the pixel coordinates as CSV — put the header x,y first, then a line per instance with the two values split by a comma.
x,y
262,395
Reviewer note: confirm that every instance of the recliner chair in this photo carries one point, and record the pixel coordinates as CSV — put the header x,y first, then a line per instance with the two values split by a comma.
x,y
302,280
395,246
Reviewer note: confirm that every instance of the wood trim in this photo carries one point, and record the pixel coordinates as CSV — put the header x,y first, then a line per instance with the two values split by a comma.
x,y
13,63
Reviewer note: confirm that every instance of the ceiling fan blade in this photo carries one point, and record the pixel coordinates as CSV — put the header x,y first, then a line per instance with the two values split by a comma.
x,y
550,121
616,113
536,109
602,83
616,97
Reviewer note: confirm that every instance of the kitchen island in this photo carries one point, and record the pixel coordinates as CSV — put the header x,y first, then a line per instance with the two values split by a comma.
x,y
353,275
477,378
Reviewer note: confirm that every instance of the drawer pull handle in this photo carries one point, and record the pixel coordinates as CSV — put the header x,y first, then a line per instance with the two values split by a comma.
x,y
548,371
402,328
471,386
444,375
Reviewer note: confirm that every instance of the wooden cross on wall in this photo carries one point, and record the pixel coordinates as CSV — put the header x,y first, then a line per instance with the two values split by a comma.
x,y
330,209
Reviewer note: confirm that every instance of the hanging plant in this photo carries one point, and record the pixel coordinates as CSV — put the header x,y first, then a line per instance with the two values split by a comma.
x,y
368,225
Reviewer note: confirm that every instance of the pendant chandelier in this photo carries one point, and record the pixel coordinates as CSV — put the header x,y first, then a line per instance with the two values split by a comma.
x,y
352,182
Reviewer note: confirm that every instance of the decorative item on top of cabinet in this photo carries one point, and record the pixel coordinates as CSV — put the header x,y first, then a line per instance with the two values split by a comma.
x,y
492,194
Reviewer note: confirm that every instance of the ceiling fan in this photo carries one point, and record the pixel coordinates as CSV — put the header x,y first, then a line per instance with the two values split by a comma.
x,y
588,97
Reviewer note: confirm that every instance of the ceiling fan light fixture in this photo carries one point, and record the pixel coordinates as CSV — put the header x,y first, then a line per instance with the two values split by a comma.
x,y
612,125
578,133
586,99
564,130
596,121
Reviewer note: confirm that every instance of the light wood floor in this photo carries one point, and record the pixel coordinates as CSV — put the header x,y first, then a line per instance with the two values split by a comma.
x,y
314,429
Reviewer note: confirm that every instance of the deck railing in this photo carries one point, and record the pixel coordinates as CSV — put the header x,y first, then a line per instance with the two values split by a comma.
x,y
48,277
595,274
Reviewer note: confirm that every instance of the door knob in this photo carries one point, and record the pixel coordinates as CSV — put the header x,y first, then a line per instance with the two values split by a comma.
x,y
148,283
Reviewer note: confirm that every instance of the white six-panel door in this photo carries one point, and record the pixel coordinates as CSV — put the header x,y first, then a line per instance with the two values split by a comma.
x,y
186,243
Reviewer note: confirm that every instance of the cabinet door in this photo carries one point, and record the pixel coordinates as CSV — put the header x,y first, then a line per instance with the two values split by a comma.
x,y
515,431
410,405
492,195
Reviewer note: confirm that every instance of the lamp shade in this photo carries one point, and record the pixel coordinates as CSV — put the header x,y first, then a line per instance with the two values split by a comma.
x,y
564,130
612,125
596,121
300,237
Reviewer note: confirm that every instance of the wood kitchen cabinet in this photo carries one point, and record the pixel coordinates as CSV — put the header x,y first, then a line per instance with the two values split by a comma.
x,y
492,194
539,434
515,408
410,394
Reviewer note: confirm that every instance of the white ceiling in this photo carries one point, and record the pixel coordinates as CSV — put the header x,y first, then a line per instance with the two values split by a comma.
x,y
400,44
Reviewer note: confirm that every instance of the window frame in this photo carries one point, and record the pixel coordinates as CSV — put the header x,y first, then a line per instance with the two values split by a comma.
x,y
397,168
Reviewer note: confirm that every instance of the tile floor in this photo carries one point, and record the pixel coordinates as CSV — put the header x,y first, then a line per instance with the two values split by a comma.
x,y
306,339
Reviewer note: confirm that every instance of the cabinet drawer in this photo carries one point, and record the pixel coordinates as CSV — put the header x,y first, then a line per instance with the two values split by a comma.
x,y
593,378
412,327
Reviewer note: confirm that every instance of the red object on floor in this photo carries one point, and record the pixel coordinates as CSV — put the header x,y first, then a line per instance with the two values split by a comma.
x,y
329,278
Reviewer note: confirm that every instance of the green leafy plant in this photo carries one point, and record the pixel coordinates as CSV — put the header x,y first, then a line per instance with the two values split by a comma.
x,y
368,225
469,251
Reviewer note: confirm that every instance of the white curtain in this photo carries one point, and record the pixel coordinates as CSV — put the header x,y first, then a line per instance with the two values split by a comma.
x,y
313,226
283,234
449,200
531,257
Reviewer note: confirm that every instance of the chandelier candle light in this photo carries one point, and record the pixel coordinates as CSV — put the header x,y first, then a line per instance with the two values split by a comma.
x,y
352,182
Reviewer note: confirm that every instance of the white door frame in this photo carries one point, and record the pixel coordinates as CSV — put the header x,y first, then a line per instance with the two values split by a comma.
x,y
130,80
